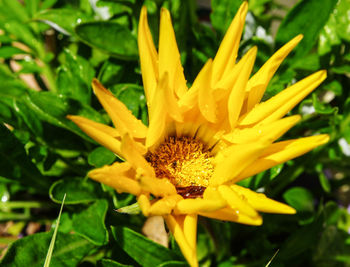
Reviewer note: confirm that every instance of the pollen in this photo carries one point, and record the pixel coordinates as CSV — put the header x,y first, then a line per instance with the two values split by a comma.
x,y
185,161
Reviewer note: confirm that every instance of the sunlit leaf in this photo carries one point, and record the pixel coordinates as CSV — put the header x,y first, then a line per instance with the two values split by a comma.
x,y
63,20
110,37
101,156
90,222
299,198
78,190
298,21
142,249
31,250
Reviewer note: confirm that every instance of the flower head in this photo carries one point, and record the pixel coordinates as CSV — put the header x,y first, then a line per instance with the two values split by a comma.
x,y
202,140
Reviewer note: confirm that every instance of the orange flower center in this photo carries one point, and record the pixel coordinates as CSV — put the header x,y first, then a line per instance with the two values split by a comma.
x,y
186,162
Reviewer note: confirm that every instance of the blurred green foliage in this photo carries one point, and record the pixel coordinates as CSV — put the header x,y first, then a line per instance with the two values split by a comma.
x,y
50,51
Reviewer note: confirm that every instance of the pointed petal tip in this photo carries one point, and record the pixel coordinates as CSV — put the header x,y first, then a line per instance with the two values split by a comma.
x,y
290,211
323,73
143,18
252,51
96,84
294,119
243,9
298,38
75,118
70,117
164,12
143,10
98,87
284,209
323,139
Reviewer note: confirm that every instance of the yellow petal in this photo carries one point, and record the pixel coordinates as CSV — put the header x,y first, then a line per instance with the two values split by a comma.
x,y
169,56
228,214
211,193
225,58
277,106
206,101
157,186
275,129
194,206
164,205
189,100
184,231
236,202
262,203
157,115
148,56
130,151
280,152
235,100
258,83
169,99
117,176
102,134
144,204
122,118
233,160
190,230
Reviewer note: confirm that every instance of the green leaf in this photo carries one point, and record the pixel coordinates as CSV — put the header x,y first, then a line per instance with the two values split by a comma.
x,y
141,249
32,121
335,87
328,37
101,156
32,6
14,10
63,20
5,112
78,190
16,165
310,62
29,65
322,108
74,77
342,69
54,109
47,3
111,263
341,14
9,51
173,264
133,97
24,33
299,198
322,178
279,83
69,250
90,222
307,18
300,241
110,37
111,72
10,84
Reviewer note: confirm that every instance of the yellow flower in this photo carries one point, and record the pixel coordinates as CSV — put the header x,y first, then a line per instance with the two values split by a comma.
x,y
200,141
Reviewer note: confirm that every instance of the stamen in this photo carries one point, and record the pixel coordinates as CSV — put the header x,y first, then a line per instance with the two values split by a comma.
x,y
186,162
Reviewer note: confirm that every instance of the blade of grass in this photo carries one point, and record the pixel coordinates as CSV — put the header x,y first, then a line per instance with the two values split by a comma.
x,y
53,239
274,255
